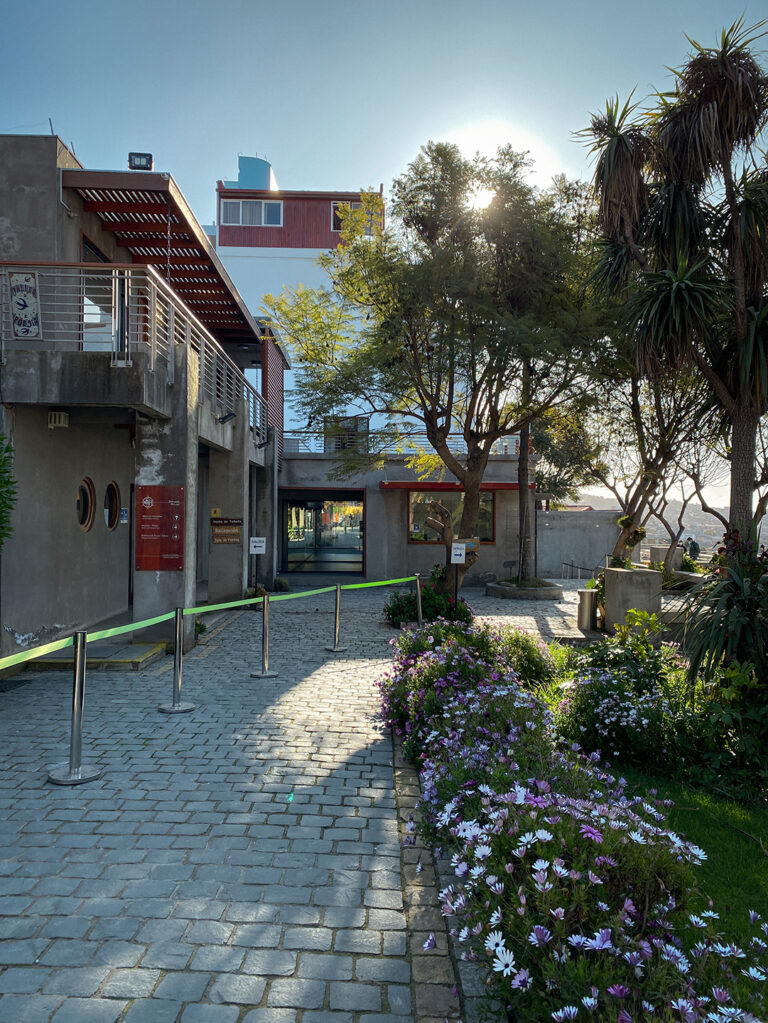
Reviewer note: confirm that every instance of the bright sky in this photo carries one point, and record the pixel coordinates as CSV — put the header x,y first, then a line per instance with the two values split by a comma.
x,y
336,94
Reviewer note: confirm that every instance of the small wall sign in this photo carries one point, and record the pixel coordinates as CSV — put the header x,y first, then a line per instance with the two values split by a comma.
x,y
258,545
226,530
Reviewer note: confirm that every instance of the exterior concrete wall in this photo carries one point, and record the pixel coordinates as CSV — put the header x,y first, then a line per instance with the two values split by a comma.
x,y
229,486
167,455
37,223
49,563
388,551
583,538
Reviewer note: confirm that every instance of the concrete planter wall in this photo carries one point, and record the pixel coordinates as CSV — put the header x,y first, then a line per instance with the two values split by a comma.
x,y
630,588
659,553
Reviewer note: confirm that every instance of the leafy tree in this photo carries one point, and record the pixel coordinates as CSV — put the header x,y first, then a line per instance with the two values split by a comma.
x,y
459,324
683,204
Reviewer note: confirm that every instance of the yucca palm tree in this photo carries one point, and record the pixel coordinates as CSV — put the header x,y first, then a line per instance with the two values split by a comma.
x,y
683,197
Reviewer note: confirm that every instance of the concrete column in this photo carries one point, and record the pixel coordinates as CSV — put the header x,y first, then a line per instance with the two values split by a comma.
x,y
166,455
228,491
630,588
266,519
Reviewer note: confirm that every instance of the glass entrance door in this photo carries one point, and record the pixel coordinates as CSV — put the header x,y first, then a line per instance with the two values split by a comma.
x,y
323,535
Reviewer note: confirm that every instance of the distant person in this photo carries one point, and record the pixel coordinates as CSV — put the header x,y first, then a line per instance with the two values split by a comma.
x,y
693,549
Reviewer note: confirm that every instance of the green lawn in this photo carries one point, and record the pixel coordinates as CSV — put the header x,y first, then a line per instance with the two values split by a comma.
x,y
735,874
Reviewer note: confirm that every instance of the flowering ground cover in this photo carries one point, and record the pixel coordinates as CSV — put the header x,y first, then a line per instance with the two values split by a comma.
x,y
577,898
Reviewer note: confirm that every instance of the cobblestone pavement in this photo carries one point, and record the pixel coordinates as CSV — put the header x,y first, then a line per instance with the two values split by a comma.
x,y
238,863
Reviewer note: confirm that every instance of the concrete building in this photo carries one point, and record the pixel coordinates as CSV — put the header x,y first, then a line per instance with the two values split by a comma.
x,y
141,449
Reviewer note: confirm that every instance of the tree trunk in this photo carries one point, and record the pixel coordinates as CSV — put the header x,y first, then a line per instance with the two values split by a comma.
x,y
744,423
525,516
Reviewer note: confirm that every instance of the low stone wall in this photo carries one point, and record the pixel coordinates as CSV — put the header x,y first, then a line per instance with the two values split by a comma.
x,y
628,588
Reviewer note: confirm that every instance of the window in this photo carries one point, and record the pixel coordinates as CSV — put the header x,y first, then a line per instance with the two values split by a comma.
x,y
336,224
86,504
252,212
112,505
453,500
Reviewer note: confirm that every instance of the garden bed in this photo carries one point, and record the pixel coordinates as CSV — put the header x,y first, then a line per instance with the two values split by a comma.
x,y
576,898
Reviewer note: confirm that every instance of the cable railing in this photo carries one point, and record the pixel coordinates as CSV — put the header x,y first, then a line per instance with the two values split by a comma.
x,y
335,439
75,772
120,310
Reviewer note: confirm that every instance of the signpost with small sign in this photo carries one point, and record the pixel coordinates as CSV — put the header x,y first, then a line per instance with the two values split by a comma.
x,y
458,557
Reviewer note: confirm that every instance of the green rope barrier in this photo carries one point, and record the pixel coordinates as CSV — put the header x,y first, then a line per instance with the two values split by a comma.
x,y
305,593
121,630
222,607
37,651
386,582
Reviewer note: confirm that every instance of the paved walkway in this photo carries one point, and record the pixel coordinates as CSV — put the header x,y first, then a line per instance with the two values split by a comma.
x,y
238,863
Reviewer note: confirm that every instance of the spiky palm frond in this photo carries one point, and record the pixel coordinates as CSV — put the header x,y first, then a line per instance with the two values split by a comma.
x,y
622,149
613,268
676,223
674,308
727,92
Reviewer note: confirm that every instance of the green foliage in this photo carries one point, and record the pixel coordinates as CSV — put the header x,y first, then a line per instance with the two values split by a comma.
x,y
726,617
668,578
400,609
281,585
433,323
8,490
528,657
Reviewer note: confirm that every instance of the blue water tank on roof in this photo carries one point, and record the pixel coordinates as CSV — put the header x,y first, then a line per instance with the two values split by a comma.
x,y
253,172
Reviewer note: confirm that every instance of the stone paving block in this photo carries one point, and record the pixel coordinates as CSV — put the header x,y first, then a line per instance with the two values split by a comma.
x,y
182,987
135,983
167,955
22,1009
354,997
325,967
246,912
118,953
257,935
18,980
209,932
386,920
78,982
309,938
358,941
270,963
296,993
394,943
272,1016
374,969
399,999
89,1010
217,959
242,990
210,1014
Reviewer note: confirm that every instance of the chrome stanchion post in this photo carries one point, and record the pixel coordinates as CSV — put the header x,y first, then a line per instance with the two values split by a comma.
x,y
265,672
419,612
336,649
176,706
74,773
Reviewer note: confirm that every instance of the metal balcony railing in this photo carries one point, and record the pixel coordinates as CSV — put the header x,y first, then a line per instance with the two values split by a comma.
x,y
119,310
298,442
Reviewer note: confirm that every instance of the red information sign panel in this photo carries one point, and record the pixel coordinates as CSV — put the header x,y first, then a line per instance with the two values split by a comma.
x,y
159,529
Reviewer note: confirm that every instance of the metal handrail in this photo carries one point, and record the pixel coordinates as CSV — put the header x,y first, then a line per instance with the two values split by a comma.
x,y
121,309
299,442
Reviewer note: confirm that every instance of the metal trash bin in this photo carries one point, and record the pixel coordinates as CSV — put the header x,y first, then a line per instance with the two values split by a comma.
x,y
586,616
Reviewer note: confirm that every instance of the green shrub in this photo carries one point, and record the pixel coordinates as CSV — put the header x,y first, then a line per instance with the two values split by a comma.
x,y
400,609
528,658
281,585
726,617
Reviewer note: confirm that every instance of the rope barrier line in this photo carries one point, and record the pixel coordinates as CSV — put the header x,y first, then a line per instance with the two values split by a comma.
x,y
122,630
37,651
386,582
222,607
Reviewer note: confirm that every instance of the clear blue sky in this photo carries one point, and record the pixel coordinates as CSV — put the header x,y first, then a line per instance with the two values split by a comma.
x,y
337,94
